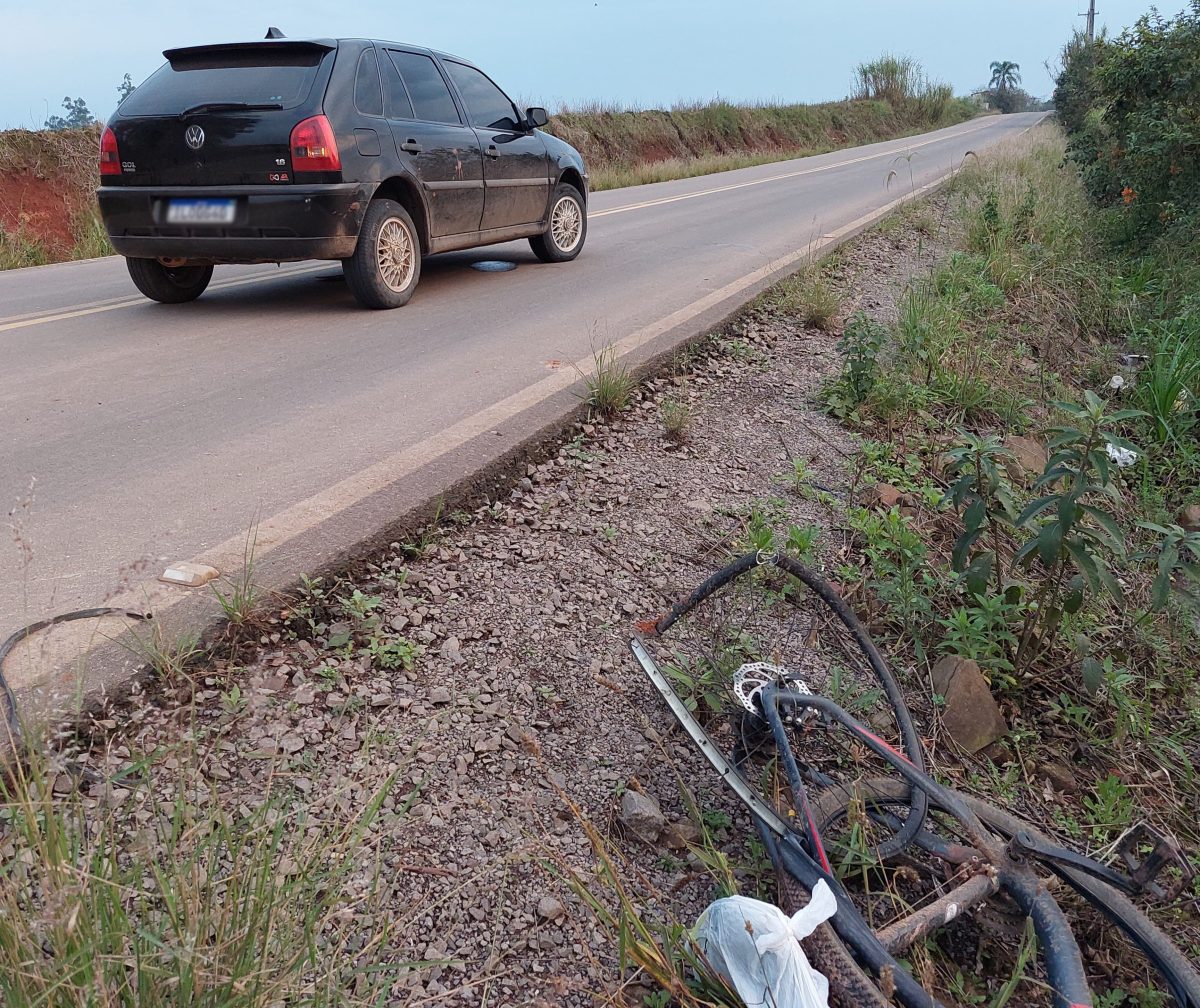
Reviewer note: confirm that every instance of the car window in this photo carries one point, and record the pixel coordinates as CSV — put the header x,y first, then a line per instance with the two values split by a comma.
x,y
431,99
367,95
487,105
399,105
268,74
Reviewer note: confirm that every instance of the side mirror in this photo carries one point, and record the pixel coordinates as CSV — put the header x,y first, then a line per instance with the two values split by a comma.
x,y
536,117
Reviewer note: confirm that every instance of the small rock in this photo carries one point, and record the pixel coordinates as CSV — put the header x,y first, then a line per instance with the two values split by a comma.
x,y
1028,460
680,835
971,716
641,815
1189,518
549,908
883,495
1061,777
440,695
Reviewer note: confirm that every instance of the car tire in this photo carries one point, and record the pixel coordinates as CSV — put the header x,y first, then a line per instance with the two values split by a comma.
x,y
566,227
386,265
168,284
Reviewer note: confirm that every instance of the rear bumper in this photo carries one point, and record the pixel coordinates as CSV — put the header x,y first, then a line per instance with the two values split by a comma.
x,y
270,224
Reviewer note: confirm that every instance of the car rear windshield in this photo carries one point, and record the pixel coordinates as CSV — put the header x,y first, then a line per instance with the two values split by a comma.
x,y
254,75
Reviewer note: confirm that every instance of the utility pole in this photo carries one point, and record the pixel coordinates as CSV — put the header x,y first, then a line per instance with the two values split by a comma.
x,y
1091,16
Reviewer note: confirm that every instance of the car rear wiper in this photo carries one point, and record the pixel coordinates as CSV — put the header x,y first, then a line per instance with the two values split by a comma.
x,y
228,107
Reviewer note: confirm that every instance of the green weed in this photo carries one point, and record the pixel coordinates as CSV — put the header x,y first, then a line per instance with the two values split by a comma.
x,y
608,389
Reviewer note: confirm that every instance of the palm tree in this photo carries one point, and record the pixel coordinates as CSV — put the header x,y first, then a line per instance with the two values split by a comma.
x,y
1005,74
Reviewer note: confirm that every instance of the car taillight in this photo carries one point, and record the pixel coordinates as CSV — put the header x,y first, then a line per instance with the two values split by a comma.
x,y
313,146
110,159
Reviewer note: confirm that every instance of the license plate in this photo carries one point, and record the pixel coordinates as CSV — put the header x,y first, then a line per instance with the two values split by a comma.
x,y
201,211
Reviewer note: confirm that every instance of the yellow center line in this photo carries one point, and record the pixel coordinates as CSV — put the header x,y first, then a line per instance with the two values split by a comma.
x,y
95,307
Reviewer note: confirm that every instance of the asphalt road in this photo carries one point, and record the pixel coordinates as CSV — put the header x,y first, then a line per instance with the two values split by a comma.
x,y
152,432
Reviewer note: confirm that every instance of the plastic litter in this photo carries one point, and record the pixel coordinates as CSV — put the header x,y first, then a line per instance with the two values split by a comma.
x,y
755,946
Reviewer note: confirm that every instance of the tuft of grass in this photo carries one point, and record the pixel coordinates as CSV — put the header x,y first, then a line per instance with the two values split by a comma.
x,y
20,250
241,596
1167,386
663,951
811,299
169,657
201,905
91,240
609,388
677,419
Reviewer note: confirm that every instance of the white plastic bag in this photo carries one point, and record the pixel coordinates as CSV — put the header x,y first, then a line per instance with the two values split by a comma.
x,y
755,946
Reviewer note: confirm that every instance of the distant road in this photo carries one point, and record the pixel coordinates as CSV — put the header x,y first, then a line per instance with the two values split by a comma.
x,y
153,432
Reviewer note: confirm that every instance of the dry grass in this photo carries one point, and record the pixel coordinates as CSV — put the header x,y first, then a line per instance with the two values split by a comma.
x,y
677,418
811,298
155,889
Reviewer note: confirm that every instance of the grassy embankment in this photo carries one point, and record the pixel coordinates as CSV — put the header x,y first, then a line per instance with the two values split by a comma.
x,y
891,99
1050,537
47,202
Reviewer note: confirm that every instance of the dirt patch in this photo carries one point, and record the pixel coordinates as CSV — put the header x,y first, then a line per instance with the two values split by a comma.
x,y
38,209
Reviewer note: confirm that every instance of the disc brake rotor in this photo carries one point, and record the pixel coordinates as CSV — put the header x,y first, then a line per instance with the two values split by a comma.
x,y
750,678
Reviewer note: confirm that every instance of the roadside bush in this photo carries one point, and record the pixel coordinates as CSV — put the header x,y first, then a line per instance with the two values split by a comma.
x,y
861,345
1131,107
1011,99
1075,89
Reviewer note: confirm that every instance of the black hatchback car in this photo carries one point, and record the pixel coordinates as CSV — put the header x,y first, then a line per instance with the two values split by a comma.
x,y
372,153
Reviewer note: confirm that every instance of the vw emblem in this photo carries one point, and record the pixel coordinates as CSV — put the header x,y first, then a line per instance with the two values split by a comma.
x,y
194,137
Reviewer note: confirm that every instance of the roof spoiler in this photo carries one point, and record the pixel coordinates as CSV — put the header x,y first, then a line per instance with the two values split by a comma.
x,y
283,45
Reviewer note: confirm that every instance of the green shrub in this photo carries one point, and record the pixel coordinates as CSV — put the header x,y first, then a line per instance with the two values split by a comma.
x,y
1131,107
861,345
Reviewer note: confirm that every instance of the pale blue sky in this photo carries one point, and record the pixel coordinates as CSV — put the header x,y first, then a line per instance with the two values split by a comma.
x,y
643,52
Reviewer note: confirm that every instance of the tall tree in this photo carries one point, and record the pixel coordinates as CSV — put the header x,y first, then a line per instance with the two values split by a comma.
x,y
125,89
1005,75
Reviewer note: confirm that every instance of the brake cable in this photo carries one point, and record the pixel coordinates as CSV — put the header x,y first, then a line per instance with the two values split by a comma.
x,y
10,700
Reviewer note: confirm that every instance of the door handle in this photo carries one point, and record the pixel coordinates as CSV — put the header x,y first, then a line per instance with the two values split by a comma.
x,y
411,146
492,151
